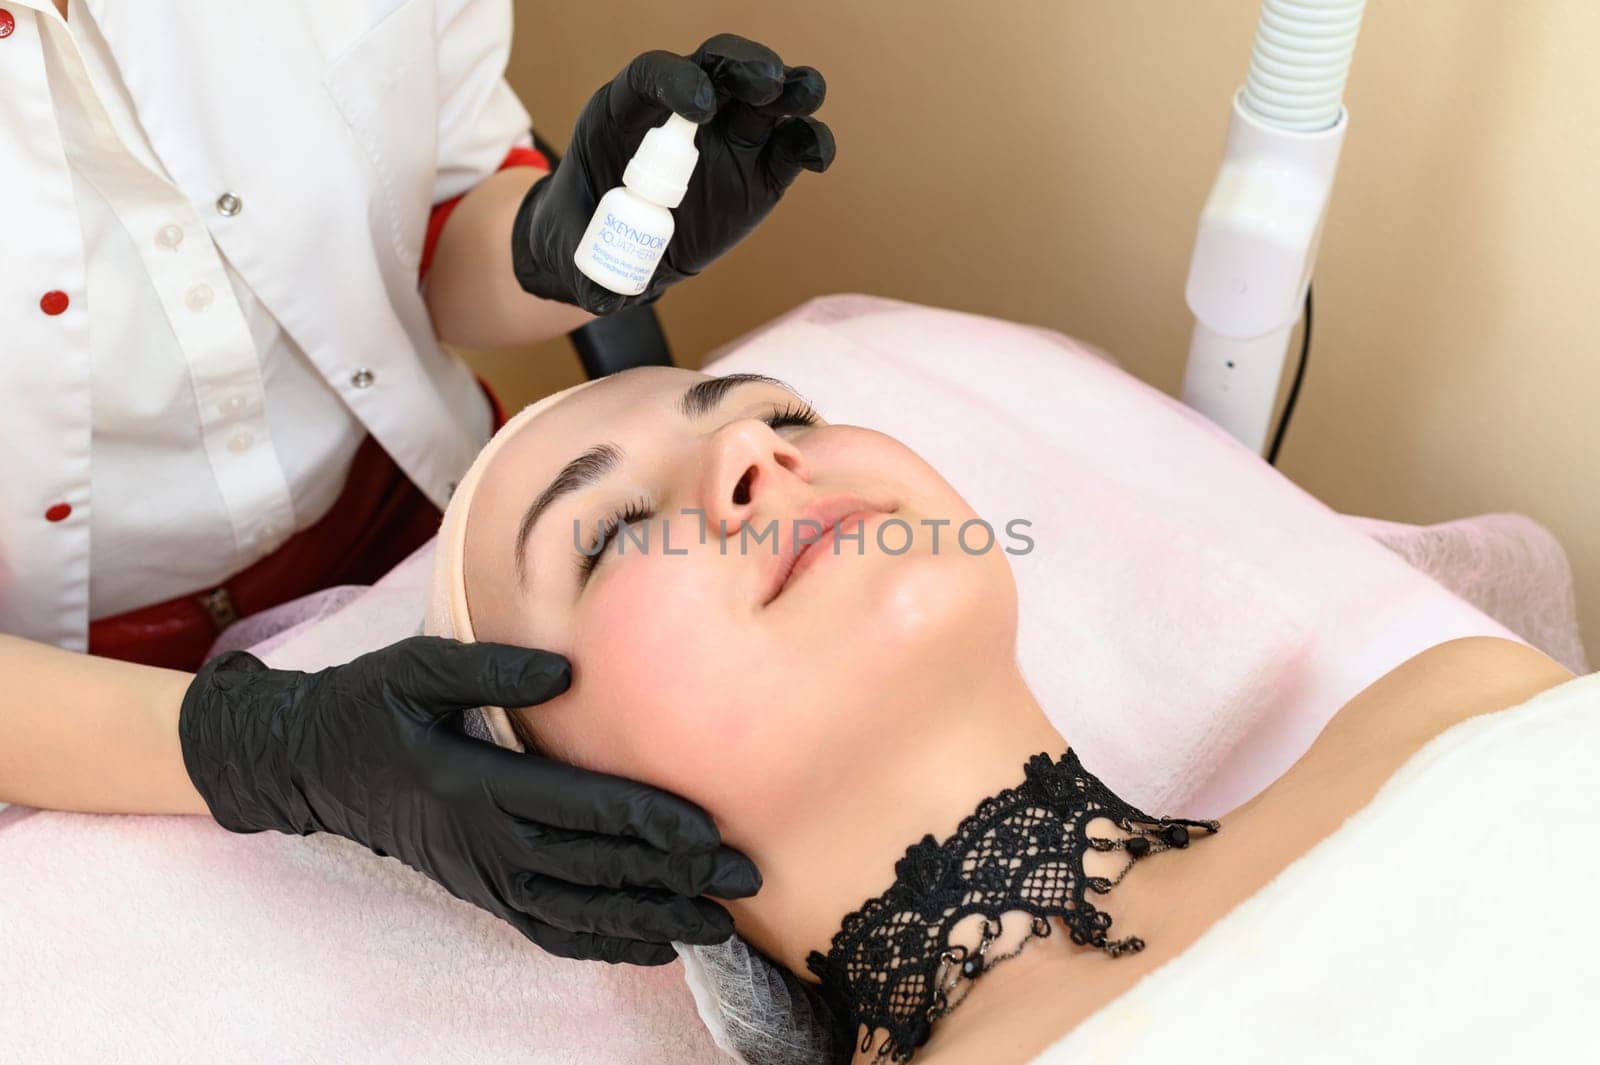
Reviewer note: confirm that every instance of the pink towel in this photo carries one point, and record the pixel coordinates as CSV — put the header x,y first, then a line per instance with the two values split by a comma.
x,y
1190,618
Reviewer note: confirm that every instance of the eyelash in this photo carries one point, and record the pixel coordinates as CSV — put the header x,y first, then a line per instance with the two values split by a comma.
x,y
792,414
638,510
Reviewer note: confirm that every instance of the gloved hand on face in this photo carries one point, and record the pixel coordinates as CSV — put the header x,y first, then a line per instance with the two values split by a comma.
x,y
584,864
756,135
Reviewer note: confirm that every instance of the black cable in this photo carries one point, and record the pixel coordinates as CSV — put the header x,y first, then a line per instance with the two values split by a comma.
x,y
1294,389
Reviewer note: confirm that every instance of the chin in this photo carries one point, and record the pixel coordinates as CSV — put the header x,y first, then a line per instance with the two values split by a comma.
x,y
941,617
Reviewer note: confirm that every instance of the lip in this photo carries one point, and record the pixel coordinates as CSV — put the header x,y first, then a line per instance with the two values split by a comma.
x,y
794,557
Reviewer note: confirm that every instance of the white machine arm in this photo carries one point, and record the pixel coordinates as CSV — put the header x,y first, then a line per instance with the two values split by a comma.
x,y
1260,227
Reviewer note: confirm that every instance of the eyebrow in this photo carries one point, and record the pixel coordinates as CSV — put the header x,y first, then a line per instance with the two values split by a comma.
x,y
703,396
591,467
583,471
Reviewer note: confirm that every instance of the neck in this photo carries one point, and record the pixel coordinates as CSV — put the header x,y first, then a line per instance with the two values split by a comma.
x,y
843,848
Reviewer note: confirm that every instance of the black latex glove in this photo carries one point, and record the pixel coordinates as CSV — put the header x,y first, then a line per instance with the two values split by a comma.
x,y
756,135
583,864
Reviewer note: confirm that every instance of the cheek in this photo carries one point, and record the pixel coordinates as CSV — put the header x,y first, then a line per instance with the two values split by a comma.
x,y
657,653
677,686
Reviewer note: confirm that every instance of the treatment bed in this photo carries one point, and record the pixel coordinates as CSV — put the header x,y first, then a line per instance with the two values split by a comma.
x,y
1190,619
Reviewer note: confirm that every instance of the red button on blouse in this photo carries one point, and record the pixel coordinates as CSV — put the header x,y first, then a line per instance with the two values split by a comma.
x,y
53,302
59,512
7,23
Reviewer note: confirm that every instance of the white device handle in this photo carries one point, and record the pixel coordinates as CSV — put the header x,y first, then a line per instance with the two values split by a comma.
x,y
1261,224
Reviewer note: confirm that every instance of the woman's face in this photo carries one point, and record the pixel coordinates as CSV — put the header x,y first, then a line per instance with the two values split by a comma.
x,y
714,653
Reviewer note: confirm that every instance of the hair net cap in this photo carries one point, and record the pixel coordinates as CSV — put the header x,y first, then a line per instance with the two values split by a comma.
x,y
760,1013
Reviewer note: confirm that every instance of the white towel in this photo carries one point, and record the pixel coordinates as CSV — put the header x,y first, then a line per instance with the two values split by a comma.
x,y
1450,920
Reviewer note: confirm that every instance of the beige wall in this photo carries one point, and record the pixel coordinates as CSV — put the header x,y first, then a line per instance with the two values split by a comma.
x,y
1454,368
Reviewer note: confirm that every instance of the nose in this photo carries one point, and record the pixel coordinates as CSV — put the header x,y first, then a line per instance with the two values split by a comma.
x,y
748,464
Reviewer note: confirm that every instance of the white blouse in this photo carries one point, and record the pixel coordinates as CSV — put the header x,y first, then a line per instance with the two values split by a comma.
x,y
208,279
214,437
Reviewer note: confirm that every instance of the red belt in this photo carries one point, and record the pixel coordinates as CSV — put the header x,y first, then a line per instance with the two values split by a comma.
x,y
378,520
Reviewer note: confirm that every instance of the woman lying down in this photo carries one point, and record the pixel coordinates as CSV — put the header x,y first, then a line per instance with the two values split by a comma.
x,y
942,875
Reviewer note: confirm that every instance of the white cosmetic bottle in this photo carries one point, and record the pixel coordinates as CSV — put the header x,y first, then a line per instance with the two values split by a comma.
x,y
632,224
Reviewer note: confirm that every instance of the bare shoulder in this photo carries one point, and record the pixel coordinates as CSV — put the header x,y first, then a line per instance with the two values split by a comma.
x,y
1489,646
1483,673
1441,687
1394,716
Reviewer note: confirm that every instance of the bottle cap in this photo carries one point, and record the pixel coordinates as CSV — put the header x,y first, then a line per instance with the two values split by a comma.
x,y
659,171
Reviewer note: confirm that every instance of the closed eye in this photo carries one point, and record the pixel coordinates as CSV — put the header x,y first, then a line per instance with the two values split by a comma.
x,y
606,533
791,414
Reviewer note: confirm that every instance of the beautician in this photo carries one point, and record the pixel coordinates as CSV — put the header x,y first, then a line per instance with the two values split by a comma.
x,y
233,241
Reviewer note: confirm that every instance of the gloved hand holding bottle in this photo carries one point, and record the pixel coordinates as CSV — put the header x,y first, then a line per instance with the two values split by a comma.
x,y
756,134
584,864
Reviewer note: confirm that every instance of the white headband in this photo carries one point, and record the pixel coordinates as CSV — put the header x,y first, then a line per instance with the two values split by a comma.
x,y
448,614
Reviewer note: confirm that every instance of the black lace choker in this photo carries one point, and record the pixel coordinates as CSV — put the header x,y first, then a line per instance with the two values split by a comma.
x,y
892,967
